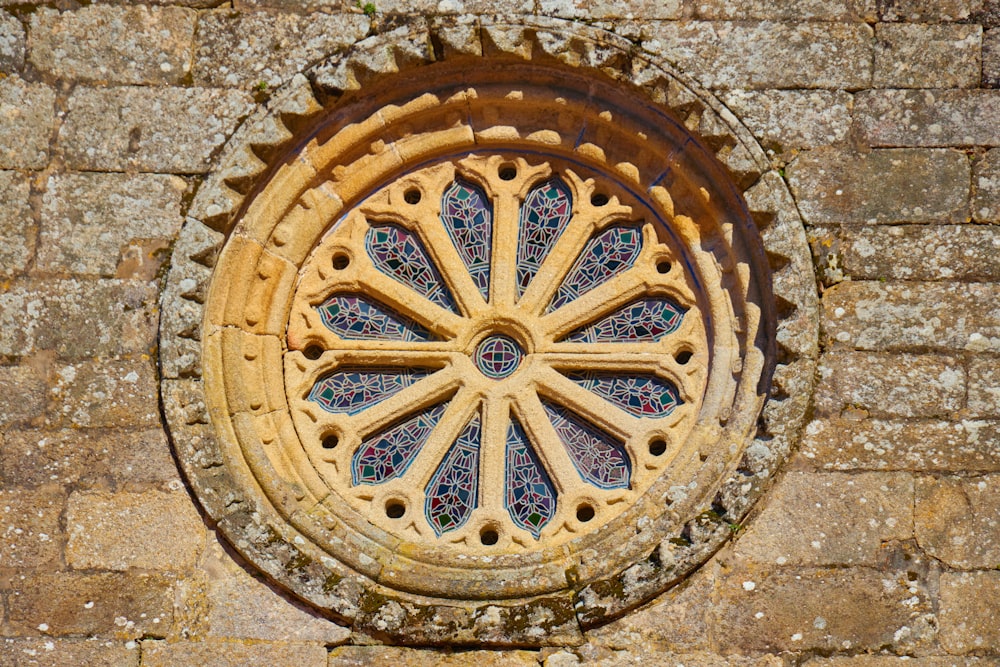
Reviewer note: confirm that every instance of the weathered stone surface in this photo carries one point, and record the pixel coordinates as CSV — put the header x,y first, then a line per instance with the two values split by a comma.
x,y
110,604
27,110
873,444
63,652
130,45
830,519
11,43
957,520
918,11
889,385
789,119
820,609
30,535
929,117
231,654
78,318
22,393
907,252
242,607
360,656
164,531
883,186
986,187
991,58
900,316
786,10
612,9
169,130
87,458
909,55
17,228
969,604
106,393
728,55
984,386
91,223
676,621
897,661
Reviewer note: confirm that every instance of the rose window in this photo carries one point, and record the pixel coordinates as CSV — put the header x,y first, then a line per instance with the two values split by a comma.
x,y
495,352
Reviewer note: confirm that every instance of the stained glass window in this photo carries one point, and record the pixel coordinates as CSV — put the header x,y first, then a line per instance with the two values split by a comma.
x,y
612,252
598,458
544,215
398,253
388,454
529,499
645,320
452,493
351,390
641,395
469,222
356,317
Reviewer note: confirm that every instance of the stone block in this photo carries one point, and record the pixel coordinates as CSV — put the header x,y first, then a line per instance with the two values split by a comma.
x,y
813,609
110,604
232,654
889,385
791,119
730,55
875,444
889,185
898,661
28,112
991,58
30,535
164,531
984,387
986,187
167,130
22,393
263,50
917,55
969,604
830,519
957,520
785,10
242,607
929,117
91,222
613,9
78,318
866,315
87,458
108,44
361,656
11,43
918,11
109,393
64,652
17,228
908,252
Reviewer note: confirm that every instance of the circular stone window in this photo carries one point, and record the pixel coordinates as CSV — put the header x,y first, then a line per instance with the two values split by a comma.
x,y
479,355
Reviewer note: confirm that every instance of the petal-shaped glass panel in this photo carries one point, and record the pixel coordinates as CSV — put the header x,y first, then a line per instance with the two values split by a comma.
x,y
466,214
611,252
641,395
598,458
544,215
387,455
644,320
530,498
355,317
398,253
351,390
453,491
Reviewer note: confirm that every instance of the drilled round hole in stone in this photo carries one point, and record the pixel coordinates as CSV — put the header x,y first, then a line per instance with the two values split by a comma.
x,y
340,261
507,172
312,352
330,441
412,196
395,509
683,357
584,513
599,199
663,266
657,446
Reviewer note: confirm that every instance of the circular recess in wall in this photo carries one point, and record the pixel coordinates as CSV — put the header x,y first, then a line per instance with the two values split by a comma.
x,y
480,354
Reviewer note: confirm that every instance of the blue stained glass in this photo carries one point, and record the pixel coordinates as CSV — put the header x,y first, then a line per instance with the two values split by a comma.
x,y
469,221
453,491
388,454
355,317
398,253
641,395
608,254
544,215
351,390
529,498
600,460
645,320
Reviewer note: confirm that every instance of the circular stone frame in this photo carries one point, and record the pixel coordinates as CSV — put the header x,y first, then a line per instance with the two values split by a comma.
x,y
221,340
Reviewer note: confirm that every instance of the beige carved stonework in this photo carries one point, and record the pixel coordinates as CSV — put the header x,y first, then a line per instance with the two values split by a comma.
x,y
340,342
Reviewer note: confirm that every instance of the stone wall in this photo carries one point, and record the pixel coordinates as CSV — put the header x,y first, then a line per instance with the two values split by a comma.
x,y
881,537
